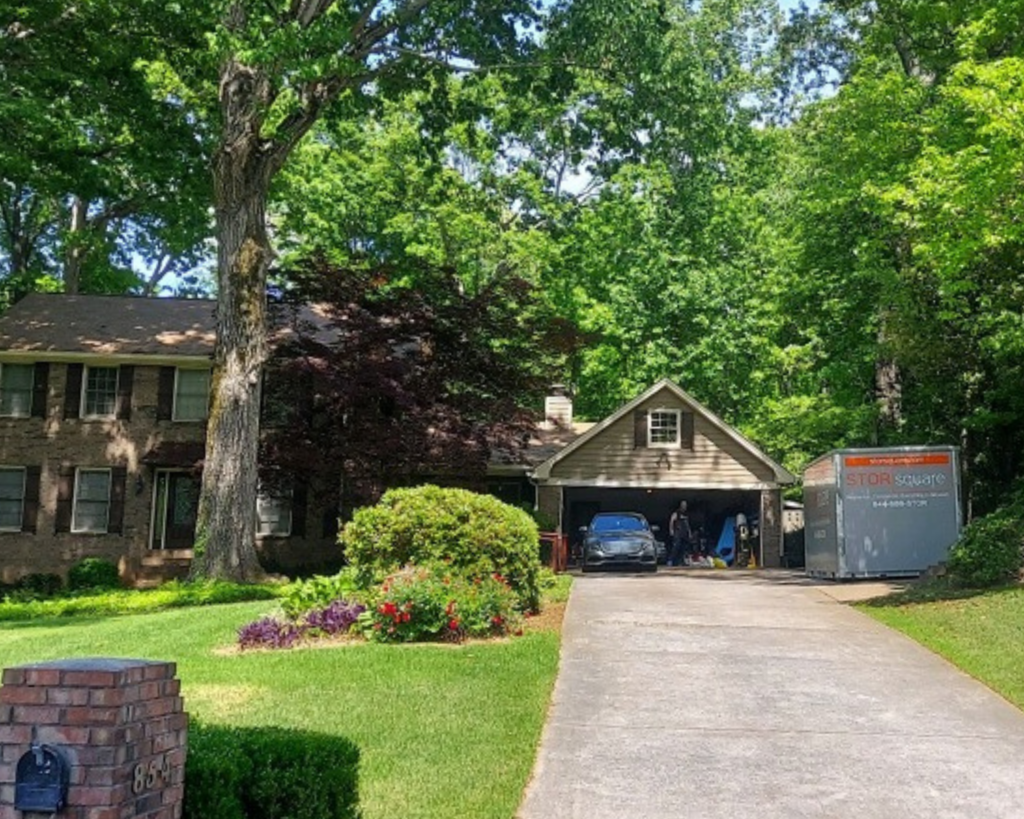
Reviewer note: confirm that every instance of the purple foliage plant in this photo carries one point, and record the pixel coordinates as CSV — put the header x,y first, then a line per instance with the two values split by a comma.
x,y
269,632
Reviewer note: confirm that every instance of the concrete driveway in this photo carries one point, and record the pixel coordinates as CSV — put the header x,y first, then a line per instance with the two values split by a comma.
x,y
759,695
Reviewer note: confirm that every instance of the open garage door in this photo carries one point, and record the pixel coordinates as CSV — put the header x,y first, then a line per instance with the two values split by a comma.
x,y
709,509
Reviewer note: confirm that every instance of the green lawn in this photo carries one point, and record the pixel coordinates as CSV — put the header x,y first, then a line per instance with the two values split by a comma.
x,y
983,634
444,731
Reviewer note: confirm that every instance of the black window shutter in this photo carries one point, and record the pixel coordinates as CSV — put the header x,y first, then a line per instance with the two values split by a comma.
x,y
40,385
125,383
686,433
30,509
165,395
639,429
73,391
300,500
65,497
118,481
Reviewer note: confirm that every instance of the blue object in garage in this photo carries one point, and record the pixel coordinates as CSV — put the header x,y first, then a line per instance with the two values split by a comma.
x,y
727,541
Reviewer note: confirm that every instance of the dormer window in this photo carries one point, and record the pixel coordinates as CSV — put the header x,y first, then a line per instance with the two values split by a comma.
x,y
663,428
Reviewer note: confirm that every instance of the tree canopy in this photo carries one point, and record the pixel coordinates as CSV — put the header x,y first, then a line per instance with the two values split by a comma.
x,y
810,220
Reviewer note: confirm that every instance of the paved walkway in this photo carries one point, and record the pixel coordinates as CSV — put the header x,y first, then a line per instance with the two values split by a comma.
x,y
726,696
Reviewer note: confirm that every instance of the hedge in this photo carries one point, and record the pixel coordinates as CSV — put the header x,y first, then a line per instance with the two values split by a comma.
x,y
269,773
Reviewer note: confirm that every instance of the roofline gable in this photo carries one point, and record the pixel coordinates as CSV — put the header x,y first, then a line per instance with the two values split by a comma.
x,y
782,475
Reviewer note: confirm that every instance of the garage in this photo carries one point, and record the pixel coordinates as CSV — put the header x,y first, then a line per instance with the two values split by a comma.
x,y
659,449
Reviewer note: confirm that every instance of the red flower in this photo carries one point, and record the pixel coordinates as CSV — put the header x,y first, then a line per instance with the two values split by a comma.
x,y
388,609
406,617
499,578
453,624
497,620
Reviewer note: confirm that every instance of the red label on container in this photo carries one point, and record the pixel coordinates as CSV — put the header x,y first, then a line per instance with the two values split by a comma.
x,y
896,460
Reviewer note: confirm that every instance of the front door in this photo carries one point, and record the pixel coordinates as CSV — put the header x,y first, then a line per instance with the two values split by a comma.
x,y
177,501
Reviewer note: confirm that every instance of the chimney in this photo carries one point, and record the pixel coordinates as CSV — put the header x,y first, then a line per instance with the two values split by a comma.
x,y
558,407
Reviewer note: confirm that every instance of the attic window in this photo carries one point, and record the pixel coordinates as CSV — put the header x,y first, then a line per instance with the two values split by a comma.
x,y
663,428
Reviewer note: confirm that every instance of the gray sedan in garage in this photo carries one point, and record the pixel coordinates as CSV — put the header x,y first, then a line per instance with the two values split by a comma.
x,y
619,539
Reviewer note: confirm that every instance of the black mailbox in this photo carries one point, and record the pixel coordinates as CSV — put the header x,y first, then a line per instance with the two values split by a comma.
x,y
41,780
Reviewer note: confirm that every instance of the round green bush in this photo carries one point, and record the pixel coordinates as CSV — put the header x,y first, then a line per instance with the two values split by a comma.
x,y
991,550
93,573
453,530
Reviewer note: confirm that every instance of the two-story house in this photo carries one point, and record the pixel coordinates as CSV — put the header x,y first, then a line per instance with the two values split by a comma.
x,y
103,406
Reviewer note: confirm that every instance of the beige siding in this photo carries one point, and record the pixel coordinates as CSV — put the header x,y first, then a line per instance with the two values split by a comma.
x,y
716,461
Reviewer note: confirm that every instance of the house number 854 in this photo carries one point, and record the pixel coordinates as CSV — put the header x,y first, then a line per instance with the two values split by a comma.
x,y
155,774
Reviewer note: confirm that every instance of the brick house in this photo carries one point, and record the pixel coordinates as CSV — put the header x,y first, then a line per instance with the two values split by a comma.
x,y
103,404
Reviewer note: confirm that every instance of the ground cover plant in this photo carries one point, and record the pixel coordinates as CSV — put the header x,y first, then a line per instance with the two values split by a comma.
x,y
124,601
442,731
981,632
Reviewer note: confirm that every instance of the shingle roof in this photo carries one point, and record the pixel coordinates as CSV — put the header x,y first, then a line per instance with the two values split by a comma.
x,y
547,439
109,325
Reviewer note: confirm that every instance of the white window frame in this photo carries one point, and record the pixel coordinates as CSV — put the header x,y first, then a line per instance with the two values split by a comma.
x,y
85,389
24,486
674,444
75,528
31,388
174,399
287,504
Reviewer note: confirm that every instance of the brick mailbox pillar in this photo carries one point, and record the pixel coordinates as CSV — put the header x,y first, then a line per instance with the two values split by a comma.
x,y
118,724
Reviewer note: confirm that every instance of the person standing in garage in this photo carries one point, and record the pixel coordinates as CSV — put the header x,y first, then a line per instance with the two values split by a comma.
x,y
681,534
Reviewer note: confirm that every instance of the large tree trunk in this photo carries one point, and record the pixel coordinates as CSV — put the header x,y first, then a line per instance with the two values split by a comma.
x,y
226,526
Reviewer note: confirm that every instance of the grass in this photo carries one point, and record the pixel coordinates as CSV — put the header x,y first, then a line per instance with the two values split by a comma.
x,y
980,632
443,731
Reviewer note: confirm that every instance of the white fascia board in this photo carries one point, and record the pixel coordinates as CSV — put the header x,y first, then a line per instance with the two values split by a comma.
x,y
612,484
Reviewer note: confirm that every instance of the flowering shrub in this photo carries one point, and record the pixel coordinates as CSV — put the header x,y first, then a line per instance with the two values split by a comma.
x,y
451,531
270,632
420,604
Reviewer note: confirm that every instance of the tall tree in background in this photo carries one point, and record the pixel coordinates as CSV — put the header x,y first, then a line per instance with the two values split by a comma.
x,y
905,264
100,171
